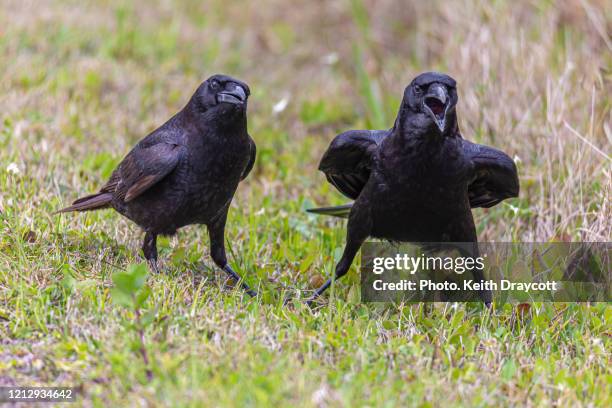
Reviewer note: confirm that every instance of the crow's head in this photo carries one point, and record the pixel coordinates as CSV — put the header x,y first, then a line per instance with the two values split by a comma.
x,y
221,95
429,103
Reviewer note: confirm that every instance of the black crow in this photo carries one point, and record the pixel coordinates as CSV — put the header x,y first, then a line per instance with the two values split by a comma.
x,y
417,181
185,172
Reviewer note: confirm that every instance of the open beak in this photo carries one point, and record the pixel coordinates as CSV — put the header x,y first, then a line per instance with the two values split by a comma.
x,y
236,96
436,104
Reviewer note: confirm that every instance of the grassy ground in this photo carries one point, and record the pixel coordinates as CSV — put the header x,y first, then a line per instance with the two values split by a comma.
x,y
81,82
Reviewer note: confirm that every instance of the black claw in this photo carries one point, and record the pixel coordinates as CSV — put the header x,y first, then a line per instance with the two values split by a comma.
x,y
237,278
311,302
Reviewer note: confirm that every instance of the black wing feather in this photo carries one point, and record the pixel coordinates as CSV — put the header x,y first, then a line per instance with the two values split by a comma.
x,y
347,161
495,175
251,163
142,168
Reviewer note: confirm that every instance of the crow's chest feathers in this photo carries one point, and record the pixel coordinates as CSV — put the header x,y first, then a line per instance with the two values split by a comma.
x,y
425,168
214,159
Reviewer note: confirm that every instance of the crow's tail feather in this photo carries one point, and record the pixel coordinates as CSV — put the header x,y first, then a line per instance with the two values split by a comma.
x,y
341,211
91,202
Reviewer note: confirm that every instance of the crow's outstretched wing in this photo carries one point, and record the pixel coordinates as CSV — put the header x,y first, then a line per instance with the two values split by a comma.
x,y
346,165
142,168
347,161
495,176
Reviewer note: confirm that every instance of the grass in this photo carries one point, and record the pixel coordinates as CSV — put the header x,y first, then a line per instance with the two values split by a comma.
x,y
81,82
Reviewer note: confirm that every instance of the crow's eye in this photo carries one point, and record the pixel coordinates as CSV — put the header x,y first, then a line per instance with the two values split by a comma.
x,y
418,90
214,84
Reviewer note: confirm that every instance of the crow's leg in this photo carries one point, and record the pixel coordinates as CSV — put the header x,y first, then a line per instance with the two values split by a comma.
x,y
357,232
149,249
216,232
486,295
464,230
473,252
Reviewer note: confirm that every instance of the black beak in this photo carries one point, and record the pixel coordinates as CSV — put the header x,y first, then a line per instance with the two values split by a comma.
x,y
436,104
236,96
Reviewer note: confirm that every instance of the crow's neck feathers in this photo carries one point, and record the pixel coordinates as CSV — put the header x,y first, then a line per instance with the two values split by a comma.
x,y
227,120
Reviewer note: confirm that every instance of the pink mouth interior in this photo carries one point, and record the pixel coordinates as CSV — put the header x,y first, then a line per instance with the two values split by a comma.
x,y
435,105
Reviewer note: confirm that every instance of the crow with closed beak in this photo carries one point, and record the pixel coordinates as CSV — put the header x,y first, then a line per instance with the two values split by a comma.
x,y
417,181
185,172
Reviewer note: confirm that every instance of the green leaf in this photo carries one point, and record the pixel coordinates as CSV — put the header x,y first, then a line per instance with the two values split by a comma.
x,y
122,298
354,295
139,272
132,280
457,318
178,256
68,283
508,370
142,296
124,282
389,324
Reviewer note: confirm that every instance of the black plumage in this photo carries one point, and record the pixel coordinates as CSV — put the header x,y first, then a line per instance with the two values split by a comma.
x,y
186,171
417,181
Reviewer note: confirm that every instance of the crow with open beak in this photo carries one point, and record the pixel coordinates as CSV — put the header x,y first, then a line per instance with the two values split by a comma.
x,y
185,172
417,181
